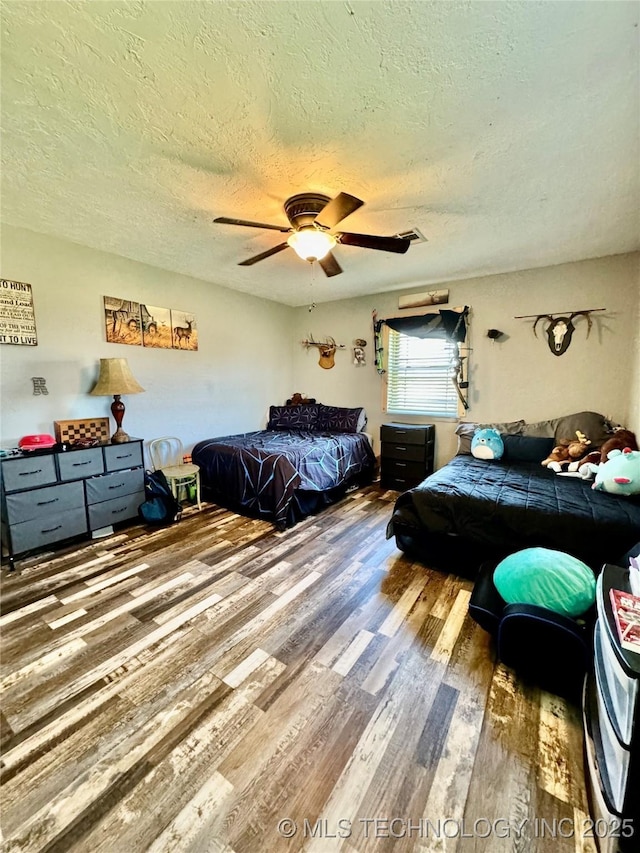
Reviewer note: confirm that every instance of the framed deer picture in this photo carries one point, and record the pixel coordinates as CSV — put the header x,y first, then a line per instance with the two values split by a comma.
x,y
122,321
128,322
156,327
184,330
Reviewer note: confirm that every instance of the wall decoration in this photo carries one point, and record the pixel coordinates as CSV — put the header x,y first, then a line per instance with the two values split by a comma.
x,y
358,352
39,385
156,327
327,350
17,317
378,348
560,327
461,383
133,323
83,430
185,333
417,300
122,321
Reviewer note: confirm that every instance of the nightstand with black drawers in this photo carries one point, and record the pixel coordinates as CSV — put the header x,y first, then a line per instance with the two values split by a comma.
x,y
407,454
49,496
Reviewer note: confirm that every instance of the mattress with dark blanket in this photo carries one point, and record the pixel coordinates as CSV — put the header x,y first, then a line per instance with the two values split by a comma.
x,y
268,472
506,506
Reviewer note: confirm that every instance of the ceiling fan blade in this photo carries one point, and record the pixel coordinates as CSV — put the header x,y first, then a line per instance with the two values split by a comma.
x,y
226,221
263,255
338,209
330,265
370,241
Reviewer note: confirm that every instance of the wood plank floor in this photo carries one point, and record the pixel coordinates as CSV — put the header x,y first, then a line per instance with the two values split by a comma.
x,y
220,686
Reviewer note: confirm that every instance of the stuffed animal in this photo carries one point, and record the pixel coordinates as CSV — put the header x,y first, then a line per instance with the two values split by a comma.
x,y
487,444
619,440
585,467
298,399
566,451
620,474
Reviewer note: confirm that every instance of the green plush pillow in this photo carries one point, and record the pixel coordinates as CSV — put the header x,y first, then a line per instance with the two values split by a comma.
x,y
550,579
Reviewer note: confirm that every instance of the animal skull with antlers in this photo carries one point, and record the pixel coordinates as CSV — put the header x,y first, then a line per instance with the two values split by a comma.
x,y
560,330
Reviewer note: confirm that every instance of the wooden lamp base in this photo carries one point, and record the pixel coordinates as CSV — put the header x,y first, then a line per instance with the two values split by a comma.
x,y
117,410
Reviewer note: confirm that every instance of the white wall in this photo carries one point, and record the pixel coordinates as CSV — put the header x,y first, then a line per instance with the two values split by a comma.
x,y
634,389
250,354
243,363
516,377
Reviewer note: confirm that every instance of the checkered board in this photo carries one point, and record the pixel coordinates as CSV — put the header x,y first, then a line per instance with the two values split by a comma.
x,y
70,432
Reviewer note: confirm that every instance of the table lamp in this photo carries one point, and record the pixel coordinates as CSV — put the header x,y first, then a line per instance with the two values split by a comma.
x,y
116,378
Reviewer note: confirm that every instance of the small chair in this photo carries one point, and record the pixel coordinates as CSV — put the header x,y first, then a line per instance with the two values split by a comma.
x,y
166,456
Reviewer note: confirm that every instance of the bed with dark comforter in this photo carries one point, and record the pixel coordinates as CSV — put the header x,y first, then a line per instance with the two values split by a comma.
x,y
472,509
283,474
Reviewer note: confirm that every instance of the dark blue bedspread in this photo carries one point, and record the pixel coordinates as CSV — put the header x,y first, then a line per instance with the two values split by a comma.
x,y
510,506
262,471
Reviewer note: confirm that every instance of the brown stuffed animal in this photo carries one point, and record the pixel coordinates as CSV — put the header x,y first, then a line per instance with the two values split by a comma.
x,y
566,451
619,439
299,399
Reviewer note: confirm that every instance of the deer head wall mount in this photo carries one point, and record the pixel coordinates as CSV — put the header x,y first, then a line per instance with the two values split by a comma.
x,y
327,350
560,328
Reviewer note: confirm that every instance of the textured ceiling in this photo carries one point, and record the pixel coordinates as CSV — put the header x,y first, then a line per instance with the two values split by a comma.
x,y
508,133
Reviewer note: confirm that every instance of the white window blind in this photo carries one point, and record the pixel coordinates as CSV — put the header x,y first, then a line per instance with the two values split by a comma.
x,y
420,376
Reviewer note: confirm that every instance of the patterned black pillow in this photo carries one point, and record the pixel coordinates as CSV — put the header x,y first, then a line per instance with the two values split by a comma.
x,y
336,419
293,417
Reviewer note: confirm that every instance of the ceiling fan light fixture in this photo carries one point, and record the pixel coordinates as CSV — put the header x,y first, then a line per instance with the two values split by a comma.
x,y
311,244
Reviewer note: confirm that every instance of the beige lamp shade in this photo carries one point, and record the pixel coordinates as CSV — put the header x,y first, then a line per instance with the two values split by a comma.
x,y
115,378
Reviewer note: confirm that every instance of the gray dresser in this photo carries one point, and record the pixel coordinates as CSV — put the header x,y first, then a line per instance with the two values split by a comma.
x,y
56,495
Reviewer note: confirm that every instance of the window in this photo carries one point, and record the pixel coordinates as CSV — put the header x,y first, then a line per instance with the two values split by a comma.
x,y
420,376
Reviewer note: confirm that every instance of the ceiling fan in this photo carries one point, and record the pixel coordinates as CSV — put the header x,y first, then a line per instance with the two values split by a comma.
x,y
312,217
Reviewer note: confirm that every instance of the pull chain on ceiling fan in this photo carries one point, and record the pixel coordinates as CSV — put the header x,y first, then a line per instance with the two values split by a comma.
x,y
312,217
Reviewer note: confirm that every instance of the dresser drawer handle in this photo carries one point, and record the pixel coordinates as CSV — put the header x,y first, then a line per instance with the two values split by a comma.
x,y
51,529
117,511
78,464
398,447
401,464
29,473
401,432
126,456
44,503
118,486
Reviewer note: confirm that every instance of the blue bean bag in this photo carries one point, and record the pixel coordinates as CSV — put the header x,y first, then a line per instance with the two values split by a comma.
x,y
550,579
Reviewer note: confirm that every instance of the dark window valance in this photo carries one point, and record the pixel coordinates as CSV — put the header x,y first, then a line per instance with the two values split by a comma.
x,y
443,324
450,325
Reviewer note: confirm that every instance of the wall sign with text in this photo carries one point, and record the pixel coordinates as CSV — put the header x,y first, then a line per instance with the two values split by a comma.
x,y
17,317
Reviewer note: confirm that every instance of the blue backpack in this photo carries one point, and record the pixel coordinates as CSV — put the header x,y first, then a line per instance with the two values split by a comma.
x,y
160,506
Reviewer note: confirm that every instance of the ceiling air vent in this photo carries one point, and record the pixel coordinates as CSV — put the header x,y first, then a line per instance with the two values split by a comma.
x,y
414,236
